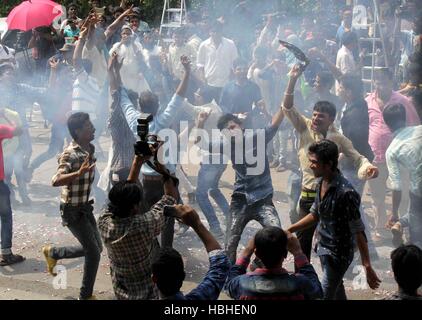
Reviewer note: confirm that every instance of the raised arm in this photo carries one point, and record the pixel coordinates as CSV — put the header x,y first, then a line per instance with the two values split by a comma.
x,y
117,23
183,86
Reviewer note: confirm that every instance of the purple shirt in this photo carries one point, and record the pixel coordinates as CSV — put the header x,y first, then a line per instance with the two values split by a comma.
x,y
380,135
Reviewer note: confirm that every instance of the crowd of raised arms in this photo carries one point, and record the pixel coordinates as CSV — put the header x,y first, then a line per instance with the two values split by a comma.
x,y
102,74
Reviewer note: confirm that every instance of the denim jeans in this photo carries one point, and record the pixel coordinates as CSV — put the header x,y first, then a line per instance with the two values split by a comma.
x,y
58,134
81,222
413,219
208,177
262,211
333,271
305,237
5,217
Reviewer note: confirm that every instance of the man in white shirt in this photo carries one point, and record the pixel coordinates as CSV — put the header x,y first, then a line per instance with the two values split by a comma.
x,y
215,59
345,62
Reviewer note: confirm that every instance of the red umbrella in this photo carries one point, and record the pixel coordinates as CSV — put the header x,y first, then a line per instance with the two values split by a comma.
x,y
33,13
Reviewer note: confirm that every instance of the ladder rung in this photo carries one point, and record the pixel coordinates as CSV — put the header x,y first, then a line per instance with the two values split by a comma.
x,y
167,40
174,10
375,68
370,39
367,81
171,25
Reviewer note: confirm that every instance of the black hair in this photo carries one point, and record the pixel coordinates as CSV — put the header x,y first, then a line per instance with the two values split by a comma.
x,y
75,122
383,73
118,9
271,246
326,151
353,83
417,98
394,116
148,102
326,107
73,5
406,262
124,196
168,269
326,79
348,38
225,119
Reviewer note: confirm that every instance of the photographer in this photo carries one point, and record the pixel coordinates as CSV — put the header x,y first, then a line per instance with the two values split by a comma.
x,y
128,232
148,103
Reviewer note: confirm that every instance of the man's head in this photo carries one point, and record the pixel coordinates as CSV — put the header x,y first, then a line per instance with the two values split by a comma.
x,y
349,40
148,102
395,116
351,88
240,69
117,12
179,37
324,82
216,31
125,199
80,127
73,10
126,34
168,271
134,22
231,123
384,83
271,246
323,116
323,157
406,262
347,18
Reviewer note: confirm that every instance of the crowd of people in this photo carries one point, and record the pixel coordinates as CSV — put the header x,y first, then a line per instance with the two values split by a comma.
x,y
108,72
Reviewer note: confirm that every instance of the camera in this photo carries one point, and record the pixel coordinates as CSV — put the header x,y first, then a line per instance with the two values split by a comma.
x,y
145,139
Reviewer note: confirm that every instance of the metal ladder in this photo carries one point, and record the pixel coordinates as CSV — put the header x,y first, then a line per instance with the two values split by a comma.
x,y
170,19
377,37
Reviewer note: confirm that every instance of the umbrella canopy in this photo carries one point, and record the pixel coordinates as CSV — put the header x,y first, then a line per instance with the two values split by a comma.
x,y
32,14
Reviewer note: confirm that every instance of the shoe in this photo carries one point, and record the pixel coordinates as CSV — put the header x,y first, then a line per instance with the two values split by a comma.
x,y
281,168
192,198
51,263
274,164
397,232
89,298
9,259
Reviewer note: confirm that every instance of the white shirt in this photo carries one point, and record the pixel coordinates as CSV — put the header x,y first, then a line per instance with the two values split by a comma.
x,y
217,62
86,93
345,63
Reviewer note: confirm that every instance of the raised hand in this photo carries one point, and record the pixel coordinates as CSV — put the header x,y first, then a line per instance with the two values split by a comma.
x,y
54,63
296,72
85,167
186,63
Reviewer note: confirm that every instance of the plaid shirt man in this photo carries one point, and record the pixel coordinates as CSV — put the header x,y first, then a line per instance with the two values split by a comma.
x,y
73,156
129,242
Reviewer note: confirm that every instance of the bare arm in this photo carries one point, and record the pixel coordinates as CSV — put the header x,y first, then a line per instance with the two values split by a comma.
x,y
303,224
117,23
183,86
63,179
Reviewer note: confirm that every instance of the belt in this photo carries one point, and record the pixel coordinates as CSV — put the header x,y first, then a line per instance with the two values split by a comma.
x,y
308,194
152,178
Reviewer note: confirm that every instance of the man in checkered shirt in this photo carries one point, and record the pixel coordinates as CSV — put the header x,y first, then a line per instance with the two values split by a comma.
x,y
75,175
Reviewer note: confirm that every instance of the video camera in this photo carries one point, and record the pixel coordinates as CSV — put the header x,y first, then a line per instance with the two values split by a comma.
x,y
145,139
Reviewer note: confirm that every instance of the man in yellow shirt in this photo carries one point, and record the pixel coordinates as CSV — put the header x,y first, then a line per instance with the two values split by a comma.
x,y
320,127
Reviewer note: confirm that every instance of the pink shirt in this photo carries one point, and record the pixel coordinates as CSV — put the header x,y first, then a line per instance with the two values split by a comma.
x,y
380,135
6,132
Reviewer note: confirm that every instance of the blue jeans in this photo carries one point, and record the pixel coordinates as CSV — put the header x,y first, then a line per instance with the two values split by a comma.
x,y
332,278
208,177
6,217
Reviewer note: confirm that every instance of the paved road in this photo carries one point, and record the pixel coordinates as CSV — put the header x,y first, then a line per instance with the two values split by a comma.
x,y
40,224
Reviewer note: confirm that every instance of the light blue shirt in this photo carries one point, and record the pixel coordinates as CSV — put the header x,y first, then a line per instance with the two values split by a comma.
x,y
406,150
163,120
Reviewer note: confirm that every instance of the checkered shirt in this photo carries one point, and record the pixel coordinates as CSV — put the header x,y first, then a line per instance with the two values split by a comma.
x,y
70,160
129,242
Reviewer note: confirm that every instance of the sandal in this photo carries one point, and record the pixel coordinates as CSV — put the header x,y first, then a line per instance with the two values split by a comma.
x,y
9,259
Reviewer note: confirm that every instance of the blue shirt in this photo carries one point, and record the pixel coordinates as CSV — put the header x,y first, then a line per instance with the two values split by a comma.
x,y
271,284
239,99
163,120
210,287
339,218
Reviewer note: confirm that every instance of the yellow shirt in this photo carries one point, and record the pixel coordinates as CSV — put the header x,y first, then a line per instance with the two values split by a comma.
x,y
10,145
307,136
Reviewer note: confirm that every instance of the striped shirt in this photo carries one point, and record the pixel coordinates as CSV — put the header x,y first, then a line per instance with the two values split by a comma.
x,y
406,150
77,192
